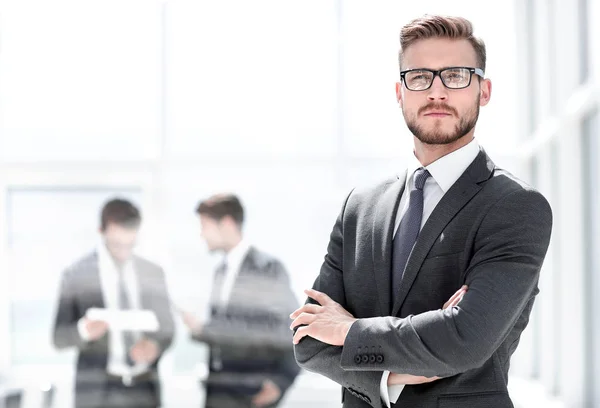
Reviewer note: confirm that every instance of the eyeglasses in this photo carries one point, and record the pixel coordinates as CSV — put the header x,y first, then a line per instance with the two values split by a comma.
x,y
420,79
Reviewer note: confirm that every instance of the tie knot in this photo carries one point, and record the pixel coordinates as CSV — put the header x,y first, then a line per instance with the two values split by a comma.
x,y
421,176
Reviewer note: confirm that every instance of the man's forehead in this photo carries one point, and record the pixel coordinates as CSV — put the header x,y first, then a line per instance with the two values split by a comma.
x,y
439,53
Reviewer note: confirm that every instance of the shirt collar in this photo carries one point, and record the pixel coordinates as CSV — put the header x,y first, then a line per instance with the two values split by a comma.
x,y
105,259
447,169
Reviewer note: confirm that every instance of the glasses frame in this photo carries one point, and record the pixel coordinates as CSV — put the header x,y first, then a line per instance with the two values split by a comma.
x,y
477,71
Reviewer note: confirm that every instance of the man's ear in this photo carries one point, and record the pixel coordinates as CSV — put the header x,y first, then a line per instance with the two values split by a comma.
x,y
399,93
485,92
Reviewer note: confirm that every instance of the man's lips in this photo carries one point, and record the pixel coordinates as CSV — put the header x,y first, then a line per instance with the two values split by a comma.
x,y
437,114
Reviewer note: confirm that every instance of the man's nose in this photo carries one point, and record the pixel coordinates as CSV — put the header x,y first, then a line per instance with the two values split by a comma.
x,y
437,91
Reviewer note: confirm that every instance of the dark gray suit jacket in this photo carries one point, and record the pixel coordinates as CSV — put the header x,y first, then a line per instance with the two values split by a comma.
x,y
489,231
250,339
80,290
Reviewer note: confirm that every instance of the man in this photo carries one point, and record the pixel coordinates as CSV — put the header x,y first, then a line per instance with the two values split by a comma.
x,y
373,321
251,356
115,368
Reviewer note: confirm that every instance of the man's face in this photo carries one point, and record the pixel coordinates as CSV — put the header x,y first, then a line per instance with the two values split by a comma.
x,y
120,241
439,115
212,232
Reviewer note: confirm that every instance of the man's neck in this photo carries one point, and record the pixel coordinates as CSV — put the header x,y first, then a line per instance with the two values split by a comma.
x,y
428,153
233,243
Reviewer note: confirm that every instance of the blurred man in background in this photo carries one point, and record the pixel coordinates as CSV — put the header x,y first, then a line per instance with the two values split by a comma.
x,y
115,368
251,358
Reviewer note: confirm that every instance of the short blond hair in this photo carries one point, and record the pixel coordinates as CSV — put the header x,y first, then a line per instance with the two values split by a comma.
x,y
430,26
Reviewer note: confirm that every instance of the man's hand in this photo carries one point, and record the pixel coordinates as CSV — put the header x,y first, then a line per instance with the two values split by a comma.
x,y
456,298
191,322
268,394
327,322
144,351
95,328
407,379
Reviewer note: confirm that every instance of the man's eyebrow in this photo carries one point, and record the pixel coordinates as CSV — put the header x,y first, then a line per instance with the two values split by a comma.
x,y
439,69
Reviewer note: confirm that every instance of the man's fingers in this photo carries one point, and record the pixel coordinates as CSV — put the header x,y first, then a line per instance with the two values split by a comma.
x,y
304,318
260,399
300,333
307,308
320,297
456,297
457,294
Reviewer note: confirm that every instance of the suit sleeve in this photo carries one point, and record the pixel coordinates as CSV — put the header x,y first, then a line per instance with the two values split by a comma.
x,y
261,319
162,308
509,249
65,332
325,359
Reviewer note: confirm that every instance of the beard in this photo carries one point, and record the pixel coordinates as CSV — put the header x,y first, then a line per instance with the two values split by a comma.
x,y
437,136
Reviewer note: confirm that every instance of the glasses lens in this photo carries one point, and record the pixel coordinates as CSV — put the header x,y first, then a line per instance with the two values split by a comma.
x,y
418,80
456,77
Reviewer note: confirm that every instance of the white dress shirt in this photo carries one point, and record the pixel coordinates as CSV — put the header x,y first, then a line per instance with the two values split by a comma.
x,y
109,282
445,171
233,260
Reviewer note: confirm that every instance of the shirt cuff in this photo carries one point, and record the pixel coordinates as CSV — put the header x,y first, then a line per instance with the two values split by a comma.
x,y
389,393
85,336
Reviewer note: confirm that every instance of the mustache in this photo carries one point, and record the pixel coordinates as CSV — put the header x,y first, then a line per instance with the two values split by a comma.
x,y
438,107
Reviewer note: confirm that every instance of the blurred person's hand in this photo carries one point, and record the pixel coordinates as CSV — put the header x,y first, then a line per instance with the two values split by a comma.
x,y
407,379
191,322
268,394
95,329
144,351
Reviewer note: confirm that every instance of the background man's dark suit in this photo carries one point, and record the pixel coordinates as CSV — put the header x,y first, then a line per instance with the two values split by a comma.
x,y
249,338
489,231
80,290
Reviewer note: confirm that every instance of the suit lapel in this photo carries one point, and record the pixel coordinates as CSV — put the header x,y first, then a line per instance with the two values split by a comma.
x,y
144,293
383,230
451,203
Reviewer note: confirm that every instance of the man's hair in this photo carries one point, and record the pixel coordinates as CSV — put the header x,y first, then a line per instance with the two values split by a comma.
x,y
428,26
121,212
219,206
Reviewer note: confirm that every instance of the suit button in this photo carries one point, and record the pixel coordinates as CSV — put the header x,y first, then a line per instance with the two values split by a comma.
x,y
372,358
365,358
357,359
379,358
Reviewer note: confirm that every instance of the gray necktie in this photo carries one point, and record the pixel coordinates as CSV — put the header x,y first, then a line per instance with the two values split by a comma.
x,y
125,304
408,231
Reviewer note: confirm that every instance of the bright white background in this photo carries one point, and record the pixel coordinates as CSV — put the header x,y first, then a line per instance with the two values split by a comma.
x,y
288,104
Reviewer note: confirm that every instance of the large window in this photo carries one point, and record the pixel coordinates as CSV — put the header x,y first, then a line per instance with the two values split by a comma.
x,y
78,82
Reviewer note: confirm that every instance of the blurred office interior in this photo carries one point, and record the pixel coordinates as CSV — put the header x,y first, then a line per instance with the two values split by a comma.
x,y
289,105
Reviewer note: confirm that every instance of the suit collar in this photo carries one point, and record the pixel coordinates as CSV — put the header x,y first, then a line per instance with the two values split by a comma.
x,y
447,169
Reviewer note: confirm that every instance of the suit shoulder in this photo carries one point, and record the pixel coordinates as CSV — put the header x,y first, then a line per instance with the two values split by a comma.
x,y
265,261
509,190
84,263
372,189
505,183
261,258
366,195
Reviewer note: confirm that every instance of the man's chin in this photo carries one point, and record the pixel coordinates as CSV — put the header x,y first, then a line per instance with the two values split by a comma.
x,y
437,139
